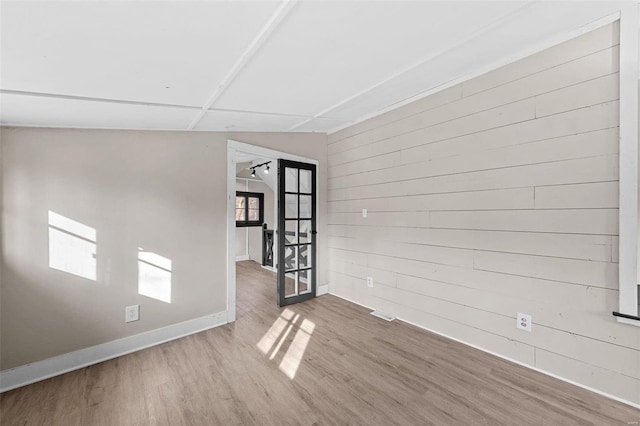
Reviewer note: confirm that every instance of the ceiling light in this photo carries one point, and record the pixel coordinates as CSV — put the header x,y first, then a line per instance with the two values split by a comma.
x,y
257,166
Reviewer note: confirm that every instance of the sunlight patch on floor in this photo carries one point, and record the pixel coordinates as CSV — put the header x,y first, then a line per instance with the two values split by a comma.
x,y
271,336
284,337
297,348
279,332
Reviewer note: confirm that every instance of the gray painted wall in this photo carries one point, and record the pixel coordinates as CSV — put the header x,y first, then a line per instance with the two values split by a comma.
x,y
164,192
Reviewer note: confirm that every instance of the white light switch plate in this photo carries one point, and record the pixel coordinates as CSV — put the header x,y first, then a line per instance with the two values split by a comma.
x,y
364,212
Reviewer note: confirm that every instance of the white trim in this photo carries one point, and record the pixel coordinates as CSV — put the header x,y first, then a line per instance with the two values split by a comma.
x,y
231,232
622,320
266,153
274,225
246,255
539,370
249,180
478,72
137,129
55,366
233,147
628,213
265,32
382,315
322,289
531,367
75,127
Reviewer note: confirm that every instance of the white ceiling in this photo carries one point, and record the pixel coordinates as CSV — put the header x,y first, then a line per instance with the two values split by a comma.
x,y
254,66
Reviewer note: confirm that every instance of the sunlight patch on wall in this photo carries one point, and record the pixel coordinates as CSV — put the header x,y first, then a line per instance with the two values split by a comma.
x,y
154,276
72,246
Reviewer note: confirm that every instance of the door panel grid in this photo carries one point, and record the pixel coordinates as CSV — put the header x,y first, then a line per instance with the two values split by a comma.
x,y
297,225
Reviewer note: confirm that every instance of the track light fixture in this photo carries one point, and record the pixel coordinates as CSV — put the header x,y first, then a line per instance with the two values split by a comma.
x,y
257,166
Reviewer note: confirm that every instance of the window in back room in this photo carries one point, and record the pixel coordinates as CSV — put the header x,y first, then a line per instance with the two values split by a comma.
x,y
249,208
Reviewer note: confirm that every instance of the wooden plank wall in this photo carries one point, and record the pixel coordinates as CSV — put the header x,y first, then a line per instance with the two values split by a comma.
x,y
492,197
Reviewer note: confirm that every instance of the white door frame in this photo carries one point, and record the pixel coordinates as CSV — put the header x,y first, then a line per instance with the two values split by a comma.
x,y
628,254
234,147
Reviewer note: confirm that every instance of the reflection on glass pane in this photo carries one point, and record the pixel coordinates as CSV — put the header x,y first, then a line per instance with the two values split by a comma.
x,y
240,214
254,203
304,283
305,181
304,258
305,206
290,258
290,232
305,231
291,206
240,202
290,285
290,180
254,214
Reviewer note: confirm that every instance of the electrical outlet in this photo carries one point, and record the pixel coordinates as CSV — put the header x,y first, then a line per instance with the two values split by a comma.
x,y
523,322
364,213
369,281
132,313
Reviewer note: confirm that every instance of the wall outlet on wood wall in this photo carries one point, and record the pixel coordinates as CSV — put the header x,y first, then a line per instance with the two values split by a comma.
x,y
523,322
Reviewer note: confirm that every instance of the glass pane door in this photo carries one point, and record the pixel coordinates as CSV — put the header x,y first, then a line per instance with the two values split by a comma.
x,y
296,231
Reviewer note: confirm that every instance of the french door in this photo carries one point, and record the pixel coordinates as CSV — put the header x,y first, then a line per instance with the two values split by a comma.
x,y
296,232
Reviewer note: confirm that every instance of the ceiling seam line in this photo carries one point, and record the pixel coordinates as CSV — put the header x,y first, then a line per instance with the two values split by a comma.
x,y
91,99
463,41
265,32
150,104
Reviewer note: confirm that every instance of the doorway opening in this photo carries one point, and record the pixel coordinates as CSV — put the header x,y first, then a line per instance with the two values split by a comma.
x,y
254,223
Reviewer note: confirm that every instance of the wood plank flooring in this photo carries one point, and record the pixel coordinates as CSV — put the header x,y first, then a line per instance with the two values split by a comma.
x,y
322,362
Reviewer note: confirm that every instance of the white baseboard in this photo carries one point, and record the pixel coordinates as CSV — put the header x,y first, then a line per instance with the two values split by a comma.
x,y
322,289
580,385
40,370
242,257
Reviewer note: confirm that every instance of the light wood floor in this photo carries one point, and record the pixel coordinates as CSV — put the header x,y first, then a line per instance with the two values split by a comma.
x,y
325,361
